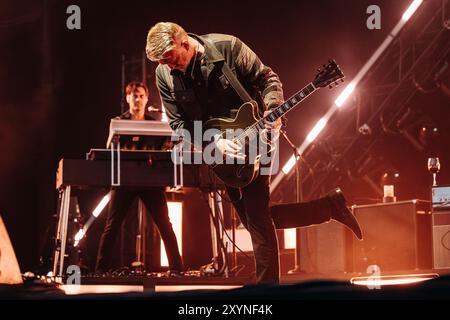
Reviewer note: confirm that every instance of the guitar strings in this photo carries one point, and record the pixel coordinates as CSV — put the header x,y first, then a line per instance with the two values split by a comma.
x,y
250,129
241,138
298,98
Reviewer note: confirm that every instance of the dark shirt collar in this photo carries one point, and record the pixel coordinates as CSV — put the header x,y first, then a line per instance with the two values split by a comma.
x,y
211,57
127,116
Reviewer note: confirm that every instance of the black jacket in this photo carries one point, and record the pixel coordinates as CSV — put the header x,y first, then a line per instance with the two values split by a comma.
x,y
203,92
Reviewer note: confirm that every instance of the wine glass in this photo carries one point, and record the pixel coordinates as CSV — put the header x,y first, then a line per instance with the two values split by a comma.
x,y
433,167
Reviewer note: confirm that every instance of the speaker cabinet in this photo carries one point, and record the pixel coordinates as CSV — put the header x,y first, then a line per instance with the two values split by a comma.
x,y
441,239
324,248
397,236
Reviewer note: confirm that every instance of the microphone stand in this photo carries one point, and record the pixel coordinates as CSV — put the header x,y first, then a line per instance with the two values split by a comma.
x,y
299,198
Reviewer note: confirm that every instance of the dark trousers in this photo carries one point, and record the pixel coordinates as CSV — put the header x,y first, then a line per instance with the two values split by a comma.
x,y
155,201
301,214
253,210
252,206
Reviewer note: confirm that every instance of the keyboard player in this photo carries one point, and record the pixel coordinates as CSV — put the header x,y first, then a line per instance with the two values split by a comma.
x,y
154,198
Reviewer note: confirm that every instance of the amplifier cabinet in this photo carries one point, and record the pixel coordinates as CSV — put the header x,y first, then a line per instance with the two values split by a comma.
x,y
324,248
397,236
441,239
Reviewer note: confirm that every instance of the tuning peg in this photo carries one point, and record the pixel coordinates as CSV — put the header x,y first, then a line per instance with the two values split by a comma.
x,y
318,70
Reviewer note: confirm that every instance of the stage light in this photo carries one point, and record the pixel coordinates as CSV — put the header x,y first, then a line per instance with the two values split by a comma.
x,y
379,281
316,130
79,235
290,238
411,9
345,94
176,218
102,204
349,89
187,287
310,138
71,289
95,213
82,232
289,165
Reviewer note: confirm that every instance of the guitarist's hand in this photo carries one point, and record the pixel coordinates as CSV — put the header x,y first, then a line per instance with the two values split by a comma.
x,y
271,131
229,149
276,125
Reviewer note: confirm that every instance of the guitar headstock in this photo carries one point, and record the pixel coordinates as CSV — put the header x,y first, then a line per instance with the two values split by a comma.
x,y
329,74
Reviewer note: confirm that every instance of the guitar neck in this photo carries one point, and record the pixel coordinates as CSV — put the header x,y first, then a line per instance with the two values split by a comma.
x,y
288,105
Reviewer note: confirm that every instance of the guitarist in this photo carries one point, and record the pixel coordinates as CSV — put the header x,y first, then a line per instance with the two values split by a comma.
x,y
193,87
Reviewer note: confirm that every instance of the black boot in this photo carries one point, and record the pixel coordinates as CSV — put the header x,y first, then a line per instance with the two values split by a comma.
x,y
341,213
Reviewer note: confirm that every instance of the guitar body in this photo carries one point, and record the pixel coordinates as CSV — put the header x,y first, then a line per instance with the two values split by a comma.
x,y
237,175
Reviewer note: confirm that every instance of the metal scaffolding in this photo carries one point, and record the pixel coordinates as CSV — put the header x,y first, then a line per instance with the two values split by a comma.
x,y
379,107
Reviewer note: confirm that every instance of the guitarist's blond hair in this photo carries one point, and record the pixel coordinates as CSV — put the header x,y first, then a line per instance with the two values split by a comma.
x,y
161,39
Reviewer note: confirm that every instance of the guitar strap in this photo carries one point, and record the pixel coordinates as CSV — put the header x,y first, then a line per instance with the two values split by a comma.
x,y
237,86
234,82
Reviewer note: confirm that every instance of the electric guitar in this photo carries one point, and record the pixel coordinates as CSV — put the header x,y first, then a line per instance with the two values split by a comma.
x,y
249,125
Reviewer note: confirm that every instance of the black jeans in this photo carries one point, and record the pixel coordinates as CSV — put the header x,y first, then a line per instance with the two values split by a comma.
x,y
253,210
301,214
156,204
252,206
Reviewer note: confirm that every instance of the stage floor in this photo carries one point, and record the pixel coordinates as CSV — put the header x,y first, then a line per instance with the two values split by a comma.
x,y
433,284
164,284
